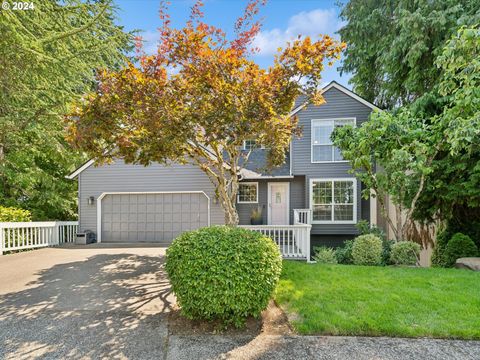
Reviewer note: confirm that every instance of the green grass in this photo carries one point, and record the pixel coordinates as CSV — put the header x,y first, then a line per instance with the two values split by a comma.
x,y
380,301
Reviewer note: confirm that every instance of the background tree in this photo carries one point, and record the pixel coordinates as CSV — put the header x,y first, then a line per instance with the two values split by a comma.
x,y
391,155
452,192
428,161
199,98
48,57
393,45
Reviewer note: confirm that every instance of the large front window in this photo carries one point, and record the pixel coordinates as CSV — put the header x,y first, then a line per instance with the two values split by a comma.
x,y
333,200
322,146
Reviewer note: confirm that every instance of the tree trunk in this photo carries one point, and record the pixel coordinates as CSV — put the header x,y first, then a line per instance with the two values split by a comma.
x,y
226,192
399,227
224,176
228,204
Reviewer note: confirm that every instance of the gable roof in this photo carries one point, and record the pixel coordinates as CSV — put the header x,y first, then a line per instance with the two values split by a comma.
x,y
350,93
299,105
343,89
85,166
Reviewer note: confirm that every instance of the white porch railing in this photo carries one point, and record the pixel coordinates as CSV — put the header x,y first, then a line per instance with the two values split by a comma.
x,y
31,235
293,240
302,216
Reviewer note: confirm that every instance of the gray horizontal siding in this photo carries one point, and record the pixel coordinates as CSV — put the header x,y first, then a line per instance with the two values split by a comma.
x,y
297,199
122,177
338,105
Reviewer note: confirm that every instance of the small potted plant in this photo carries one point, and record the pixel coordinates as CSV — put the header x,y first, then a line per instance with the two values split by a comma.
x,y
256,216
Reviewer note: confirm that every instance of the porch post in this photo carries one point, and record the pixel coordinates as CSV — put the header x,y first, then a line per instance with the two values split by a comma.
x,y
307,232
56,233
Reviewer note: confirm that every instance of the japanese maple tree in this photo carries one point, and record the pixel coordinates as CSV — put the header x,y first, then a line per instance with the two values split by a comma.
x,y
199,97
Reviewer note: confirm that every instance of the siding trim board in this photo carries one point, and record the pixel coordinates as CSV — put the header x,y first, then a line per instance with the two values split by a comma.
x,y
339,87
80,169
102,195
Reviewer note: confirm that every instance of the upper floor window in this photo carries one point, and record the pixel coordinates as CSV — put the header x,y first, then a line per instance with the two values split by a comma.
x,y
322,146
251,144
247,192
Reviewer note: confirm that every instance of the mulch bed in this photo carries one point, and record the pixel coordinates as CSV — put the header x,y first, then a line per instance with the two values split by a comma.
x,y
272,321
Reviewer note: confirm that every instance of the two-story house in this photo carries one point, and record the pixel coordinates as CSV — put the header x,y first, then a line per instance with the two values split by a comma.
x,y
131,203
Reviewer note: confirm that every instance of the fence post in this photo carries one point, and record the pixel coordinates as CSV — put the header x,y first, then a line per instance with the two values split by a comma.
x,y
307,233
2,239
56,234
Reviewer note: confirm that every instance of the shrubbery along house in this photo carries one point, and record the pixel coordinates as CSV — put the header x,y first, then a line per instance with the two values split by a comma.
x,y
132,203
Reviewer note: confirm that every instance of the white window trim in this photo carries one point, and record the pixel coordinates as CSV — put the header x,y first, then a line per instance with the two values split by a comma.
x,y
312,122
244,146
247,202
354,221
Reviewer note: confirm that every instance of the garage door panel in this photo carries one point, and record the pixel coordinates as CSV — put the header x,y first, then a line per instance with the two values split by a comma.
x,y
203,217
151,217
195,206
167,217
176,207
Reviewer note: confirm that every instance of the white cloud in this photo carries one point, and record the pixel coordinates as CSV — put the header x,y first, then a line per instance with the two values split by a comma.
x,y
150,41
311,23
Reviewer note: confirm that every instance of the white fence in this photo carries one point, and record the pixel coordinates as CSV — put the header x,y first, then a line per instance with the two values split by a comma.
x,y
31,235
302,216
293,240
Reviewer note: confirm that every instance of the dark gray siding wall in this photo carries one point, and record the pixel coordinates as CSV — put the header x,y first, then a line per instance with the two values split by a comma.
x,y
365,207
121,177
297,199
338,105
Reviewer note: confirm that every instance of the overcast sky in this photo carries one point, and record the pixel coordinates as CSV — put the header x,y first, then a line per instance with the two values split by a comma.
x,y
283,20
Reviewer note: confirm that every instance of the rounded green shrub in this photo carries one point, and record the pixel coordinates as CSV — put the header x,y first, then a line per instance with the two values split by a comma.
x,y
438,255
11,214
223,273
460,245
325,255
367,250
405,253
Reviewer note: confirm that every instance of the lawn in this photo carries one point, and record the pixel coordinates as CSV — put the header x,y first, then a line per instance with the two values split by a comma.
x,y
380,301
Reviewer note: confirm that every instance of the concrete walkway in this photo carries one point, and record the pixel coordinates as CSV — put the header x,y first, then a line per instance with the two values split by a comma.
x,y
100,301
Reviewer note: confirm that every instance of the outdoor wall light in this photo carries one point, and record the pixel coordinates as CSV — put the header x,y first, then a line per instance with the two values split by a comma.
x,y
91,200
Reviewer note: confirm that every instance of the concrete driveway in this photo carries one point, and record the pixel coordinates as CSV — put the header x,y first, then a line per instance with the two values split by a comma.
x,y
94,301
99,302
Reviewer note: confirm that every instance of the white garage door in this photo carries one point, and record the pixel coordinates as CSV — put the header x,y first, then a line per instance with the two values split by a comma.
x,y
158,217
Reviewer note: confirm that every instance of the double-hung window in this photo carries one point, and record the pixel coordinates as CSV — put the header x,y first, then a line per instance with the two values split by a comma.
x,y
247,192
251,144
322,146
333,201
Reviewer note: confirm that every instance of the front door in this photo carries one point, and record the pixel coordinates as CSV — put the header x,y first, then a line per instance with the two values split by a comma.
x,y
278,203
